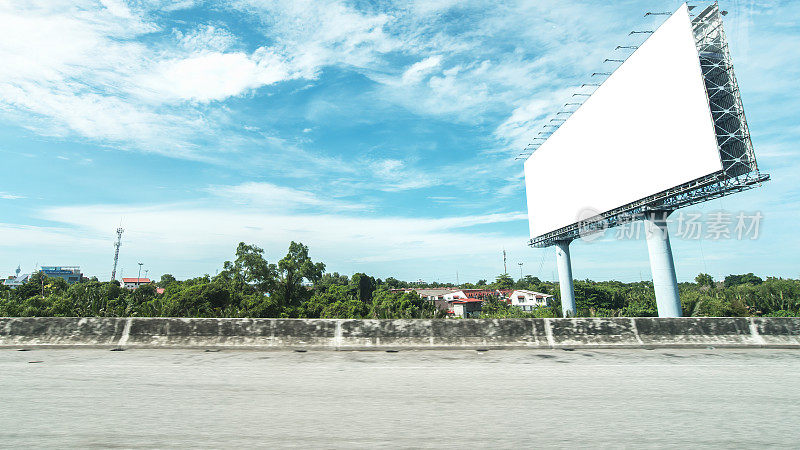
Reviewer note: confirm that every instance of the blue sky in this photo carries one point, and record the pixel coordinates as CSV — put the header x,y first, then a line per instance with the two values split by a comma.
x,y
382,135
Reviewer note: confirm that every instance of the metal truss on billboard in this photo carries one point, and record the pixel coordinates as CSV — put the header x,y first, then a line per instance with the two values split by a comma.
x,y
739,168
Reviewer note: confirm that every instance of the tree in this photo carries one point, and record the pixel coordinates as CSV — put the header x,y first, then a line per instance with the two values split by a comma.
x,y
138,300
250,269
704,280
293,268
200,300
748,278
332,279
493,307
503,281
394,283
364,285
406,305
166,280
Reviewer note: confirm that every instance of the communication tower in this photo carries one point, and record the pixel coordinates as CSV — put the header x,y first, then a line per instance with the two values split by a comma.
x,y
116,253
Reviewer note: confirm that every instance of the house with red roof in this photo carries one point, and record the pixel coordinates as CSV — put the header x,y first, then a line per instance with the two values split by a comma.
x,y
528,300
466,307
133,283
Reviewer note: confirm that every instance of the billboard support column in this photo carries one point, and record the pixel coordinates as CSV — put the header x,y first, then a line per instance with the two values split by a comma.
x,y
565,279
661,264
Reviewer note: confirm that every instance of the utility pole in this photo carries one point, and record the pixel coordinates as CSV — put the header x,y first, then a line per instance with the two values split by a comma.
x,y
116,253
505,269
520,270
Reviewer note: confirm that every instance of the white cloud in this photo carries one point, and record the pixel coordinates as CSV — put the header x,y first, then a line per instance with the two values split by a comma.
x,y
215,76
26,236
393,175
340,35
9,196
79,69
187,240
418,70
430,7
117,8
206,38
525,121
67,69
271,196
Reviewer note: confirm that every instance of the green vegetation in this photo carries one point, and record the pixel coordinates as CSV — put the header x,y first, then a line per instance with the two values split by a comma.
x,y
249,286
295,286
738,295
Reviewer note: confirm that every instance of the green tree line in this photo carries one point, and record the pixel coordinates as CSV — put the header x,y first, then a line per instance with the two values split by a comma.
x,y
737,296
297,287
248,286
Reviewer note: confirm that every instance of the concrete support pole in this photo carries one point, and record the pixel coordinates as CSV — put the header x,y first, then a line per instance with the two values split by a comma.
x,y
662,266
565,279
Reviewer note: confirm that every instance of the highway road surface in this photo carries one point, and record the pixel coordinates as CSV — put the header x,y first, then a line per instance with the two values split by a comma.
x,y
459,399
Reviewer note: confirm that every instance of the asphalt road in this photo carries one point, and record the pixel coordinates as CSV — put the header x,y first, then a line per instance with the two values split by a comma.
x,y
511,398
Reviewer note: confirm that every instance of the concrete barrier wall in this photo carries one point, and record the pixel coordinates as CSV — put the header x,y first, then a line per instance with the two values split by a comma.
x,y
347,334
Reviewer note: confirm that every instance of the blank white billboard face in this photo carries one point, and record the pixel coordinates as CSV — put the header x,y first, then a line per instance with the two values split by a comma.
x,y
646,129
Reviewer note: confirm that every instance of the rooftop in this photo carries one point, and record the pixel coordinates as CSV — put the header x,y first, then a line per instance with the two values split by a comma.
x,y
538,294
136,280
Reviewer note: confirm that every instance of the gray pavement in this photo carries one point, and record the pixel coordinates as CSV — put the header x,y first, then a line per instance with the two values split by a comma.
x,y
510,398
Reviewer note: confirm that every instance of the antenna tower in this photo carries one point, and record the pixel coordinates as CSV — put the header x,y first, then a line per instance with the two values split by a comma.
x,y
505,268
116,253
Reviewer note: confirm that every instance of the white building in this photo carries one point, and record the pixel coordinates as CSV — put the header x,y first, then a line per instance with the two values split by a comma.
x,y
467,307
450,296
527,300
17,280
433,294
133,283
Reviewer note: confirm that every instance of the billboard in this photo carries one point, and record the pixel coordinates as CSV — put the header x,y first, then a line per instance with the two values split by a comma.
x,y
647,128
